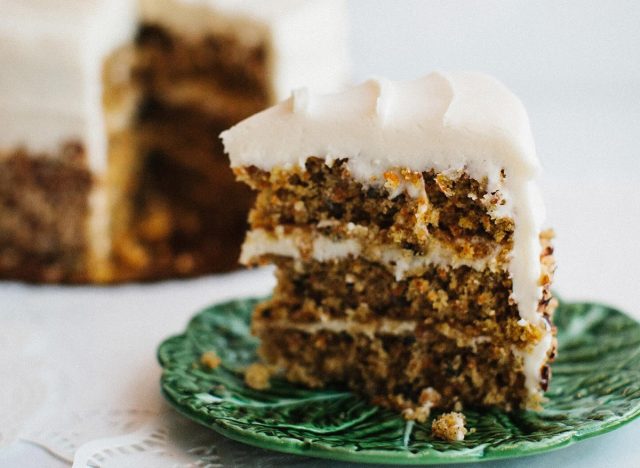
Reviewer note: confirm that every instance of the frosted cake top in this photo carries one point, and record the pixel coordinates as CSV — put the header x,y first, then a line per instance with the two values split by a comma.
x,y
443,120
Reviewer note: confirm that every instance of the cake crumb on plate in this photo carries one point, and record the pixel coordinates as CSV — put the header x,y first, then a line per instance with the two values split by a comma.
x,y
257,376
429,398
210,359
449,426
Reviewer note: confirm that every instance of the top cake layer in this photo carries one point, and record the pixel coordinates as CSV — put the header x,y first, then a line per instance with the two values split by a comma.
x,y
52,55
444,122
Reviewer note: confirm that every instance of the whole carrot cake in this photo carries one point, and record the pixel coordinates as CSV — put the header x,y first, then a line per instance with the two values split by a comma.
x,y
404,221
110,164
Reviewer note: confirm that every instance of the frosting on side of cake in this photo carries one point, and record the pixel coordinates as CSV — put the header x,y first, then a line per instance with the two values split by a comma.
x,y
444,122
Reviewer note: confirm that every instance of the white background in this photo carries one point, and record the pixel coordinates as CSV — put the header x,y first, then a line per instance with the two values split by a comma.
x,y
576,66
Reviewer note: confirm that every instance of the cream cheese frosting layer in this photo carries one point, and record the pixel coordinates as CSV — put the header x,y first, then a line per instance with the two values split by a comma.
x,y
381,326
445,120
300,244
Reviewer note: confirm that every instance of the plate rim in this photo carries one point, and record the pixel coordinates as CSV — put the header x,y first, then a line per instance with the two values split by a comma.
x,y
429,457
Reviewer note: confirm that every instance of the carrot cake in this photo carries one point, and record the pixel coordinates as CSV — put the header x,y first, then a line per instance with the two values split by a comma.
x,y
110,165
404,221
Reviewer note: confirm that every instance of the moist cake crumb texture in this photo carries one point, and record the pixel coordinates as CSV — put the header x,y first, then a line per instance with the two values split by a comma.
x,y
449,426
406,234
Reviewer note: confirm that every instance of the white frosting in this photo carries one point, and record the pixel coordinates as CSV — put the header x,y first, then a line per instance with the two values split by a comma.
x,y
52,54
443,121
385,326
326,249
401,262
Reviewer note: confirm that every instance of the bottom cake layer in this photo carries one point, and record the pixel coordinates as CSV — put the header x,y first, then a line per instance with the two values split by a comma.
x,y
395,370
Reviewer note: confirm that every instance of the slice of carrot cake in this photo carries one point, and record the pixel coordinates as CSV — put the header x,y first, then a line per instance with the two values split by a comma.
x,y
404,221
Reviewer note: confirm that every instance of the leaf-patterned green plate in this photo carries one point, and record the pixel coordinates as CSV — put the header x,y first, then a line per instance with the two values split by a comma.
x,y
595,389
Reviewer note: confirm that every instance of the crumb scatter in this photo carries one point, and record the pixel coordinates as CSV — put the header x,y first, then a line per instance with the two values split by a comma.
x,y
210,359
449,426
257,376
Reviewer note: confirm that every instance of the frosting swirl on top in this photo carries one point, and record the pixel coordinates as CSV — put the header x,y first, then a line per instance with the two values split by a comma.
x,y
442,121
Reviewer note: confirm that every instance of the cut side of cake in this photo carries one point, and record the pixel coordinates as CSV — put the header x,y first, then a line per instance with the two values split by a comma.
x,y
110,164
404,222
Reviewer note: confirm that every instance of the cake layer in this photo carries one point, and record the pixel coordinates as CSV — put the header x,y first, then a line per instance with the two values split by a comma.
x,y
192,211
393,370
187,225
469,307
43,230
411,210
188,175
363,290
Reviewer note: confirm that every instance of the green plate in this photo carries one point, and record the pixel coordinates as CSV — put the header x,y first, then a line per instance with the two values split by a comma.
x,y
595,389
